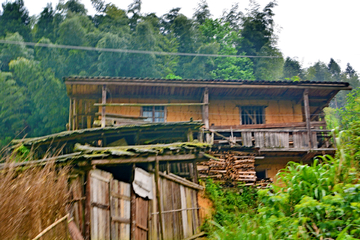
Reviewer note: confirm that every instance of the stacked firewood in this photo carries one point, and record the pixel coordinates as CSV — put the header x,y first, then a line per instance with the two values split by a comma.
x,y
230,166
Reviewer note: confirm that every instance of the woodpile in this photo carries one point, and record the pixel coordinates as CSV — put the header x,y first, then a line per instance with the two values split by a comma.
x,y
231,166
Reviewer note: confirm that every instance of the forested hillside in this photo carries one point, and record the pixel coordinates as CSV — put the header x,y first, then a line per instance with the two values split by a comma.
x,y
33,99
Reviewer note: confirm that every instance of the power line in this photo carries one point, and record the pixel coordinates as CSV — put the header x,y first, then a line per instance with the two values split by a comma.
x,y
50,45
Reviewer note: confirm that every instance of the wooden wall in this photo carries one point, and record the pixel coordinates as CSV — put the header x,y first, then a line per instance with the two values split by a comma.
x,y
173,113
221,112
108,207
180,211
226,112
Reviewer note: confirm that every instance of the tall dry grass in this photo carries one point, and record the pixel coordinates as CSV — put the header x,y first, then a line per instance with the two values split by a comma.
x,y
32,198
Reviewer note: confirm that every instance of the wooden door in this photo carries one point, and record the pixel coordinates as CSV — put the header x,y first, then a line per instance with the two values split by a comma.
x,y
120,210
140,214
100,204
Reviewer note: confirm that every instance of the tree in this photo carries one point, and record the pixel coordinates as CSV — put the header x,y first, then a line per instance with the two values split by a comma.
x,y
46,95
144,38
257,29
14,109
50,58
99,5
318,72
349,70
45,24
167,20
233,17
292,68
115,21
202,12
13,51
15,18
72,7
112,63
217,31
334,69
258,39
134,9
71,32
269,69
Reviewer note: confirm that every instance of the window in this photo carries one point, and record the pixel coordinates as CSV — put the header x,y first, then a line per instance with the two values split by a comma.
x,y
252,115
154,114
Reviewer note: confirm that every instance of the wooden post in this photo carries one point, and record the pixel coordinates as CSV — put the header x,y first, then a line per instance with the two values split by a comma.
x,y
70,115
205,112
307,115
195,172
74,114
133,207
168,167
87,206
103,101
206,108
190,137
158,198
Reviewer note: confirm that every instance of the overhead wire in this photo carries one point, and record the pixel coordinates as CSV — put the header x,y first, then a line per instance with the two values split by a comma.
x,y
50,45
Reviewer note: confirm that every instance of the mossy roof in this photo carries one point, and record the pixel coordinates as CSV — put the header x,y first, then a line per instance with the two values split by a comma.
x,y
90,132
87,151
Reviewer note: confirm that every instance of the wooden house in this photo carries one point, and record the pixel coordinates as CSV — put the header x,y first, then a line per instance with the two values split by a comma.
x,y
126,183
275,122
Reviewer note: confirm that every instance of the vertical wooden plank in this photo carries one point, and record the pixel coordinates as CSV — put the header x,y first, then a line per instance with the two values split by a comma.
x,y
195,172
103,101
259,139
133,215
285,140
87,207
74,115
314,139
247,139
267,140
183,212
206,108
100,204
307,115
70,115
194,215
296,140
126,190
276,140
189,212
178,214
88,121
153,216
158,198
173,215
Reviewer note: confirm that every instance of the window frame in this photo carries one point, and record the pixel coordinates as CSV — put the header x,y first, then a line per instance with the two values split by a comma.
x,y
253,108
153,113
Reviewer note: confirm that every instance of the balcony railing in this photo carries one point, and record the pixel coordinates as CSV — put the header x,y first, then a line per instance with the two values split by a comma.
x,y
277,139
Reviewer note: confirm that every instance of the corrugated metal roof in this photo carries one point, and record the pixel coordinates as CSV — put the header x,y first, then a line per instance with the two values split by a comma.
x,y
240,81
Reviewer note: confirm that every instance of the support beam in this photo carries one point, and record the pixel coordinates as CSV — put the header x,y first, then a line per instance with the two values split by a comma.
x,y
103,101
146,104
70,115
170,158
307,115
74,115
206,108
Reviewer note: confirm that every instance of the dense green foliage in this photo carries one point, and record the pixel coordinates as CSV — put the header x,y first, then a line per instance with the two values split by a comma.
x,y
317,201
30,75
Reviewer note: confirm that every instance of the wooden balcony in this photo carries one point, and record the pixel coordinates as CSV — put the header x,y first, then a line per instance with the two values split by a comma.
x,y
273,140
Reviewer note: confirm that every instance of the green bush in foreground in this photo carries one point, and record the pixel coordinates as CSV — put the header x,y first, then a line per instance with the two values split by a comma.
x,y
318,201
